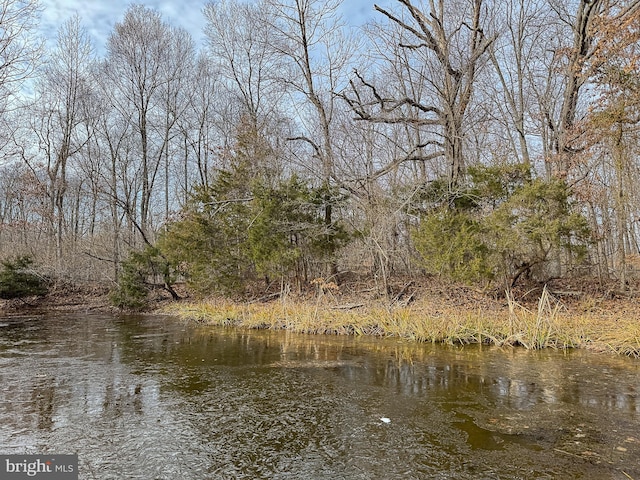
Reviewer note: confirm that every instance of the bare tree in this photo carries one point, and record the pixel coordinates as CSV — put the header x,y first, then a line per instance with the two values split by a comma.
x,y
523,26
310,40
613,129
113,174
20,53
448,38
568,70
583,32
198,126
240,44
20,49
316,54
174,94
143,55
61,121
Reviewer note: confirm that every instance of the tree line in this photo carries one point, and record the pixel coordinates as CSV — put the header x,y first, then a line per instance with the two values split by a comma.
x,y
483,141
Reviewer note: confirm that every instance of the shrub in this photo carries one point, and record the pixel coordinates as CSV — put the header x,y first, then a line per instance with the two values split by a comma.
x,y
18,280
451,244
502,225
131,291
237,231
142,272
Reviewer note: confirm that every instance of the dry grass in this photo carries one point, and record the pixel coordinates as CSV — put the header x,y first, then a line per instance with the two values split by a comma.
x,y
549,324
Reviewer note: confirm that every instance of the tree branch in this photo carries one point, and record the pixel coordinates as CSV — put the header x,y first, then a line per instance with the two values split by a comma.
x,y
399,161
387,107
309,141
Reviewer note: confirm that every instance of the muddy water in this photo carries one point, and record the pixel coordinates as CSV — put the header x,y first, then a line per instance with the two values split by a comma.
x,y
153,398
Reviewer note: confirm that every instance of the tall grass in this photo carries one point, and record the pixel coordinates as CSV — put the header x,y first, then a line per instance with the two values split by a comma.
x,y
536,329
548,325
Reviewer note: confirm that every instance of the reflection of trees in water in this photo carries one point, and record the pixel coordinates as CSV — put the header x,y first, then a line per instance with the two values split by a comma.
x,y
43,398
511,379
191,360
122,399
38,404
44,395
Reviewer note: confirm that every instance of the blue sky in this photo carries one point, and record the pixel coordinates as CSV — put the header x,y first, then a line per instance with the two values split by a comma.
x,y
99,16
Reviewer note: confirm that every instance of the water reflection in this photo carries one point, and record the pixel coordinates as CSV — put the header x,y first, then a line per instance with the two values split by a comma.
x,y
153,398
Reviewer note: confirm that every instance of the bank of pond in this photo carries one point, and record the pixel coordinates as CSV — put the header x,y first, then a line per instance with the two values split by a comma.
x,y
546,324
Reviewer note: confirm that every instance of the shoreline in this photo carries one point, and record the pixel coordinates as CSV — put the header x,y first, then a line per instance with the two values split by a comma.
x,y
437,313
549,324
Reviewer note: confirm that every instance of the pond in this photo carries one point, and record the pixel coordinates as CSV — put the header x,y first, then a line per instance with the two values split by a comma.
x,y
154,398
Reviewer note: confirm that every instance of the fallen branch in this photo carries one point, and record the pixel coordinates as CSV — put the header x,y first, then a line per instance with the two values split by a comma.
x,y
351,306
402,292
266,298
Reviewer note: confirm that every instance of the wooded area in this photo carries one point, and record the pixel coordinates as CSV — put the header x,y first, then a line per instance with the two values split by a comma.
x,y
491,142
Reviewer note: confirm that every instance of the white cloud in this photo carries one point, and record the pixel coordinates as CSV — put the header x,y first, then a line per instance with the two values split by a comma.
x,y
186,14
100,16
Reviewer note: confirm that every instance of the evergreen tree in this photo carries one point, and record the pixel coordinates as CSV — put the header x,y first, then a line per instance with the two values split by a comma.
x,y
142,272
502,225
18,280
252,223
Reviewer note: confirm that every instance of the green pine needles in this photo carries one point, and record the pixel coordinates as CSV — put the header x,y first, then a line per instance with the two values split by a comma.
x,y
235,232
19,280
502,226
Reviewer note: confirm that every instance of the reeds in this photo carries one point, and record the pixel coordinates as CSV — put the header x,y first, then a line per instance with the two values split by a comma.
x,y
536,329
548,325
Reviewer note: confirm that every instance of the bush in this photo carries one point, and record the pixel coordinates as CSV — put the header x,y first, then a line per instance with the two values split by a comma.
x,y
534,226
503,225
141,272
131,292
237,231
18,280
253,221
451,244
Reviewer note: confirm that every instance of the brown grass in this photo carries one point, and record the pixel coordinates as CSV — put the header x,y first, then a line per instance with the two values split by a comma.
x,y
545,324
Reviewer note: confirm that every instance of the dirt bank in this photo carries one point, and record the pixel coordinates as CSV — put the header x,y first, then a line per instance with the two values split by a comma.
x,y
62,297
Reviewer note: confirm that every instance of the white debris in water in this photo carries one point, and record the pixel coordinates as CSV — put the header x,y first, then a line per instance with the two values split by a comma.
x,y
385,420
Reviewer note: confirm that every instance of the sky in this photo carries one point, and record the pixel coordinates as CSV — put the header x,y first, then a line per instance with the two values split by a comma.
x,y
100,16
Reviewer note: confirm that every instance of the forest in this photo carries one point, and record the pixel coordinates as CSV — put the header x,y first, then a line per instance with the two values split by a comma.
x,y
492,143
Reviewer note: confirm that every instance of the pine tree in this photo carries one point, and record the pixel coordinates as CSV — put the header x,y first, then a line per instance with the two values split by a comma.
x,y
18,279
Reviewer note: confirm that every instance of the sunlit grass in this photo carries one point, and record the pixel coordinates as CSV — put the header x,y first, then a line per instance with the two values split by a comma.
x,y
550,325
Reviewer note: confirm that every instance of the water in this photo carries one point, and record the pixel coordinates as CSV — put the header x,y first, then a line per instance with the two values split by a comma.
x,y
154,398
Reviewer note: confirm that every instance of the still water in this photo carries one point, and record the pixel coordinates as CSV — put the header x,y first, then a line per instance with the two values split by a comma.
x,y
154,398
